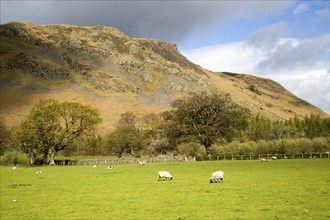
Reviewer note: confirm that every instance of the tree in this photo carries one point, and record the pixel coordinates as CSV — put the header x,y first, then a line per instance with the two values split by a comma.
x,y
4,137
126,138
52,126
259,128
208,118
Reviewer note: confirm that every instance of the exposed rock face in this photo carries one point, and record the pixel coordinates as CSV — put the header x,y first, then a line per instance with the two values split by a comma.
x,y
40,70
137,68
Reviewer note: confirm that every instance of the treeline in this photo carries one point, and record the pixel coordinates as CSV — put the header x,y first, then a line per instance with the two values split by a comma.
x,y
311,126
207,124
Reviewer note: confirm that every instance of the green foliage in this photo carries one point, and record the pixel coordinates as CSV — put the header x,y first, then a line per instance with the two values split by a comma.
x,y
14,158
259,128
52,126
5,137
207,118
191,149
87,146
126,138
280,146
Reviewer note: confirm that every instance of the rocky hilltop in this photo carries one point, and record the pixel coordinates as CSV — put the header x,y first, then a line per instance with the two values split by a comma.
x,y
105,68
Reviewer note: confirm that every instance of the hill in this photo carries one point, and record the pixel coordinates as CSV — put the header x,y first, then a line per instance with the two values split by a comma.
x,y
103,67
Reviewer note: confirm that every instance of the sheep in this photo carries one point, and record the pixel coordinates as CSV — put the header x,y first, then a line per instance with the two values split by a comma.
x,y
263,159
217,177
38,172
142,162
164,175
14,168
274,158
94,166
109,167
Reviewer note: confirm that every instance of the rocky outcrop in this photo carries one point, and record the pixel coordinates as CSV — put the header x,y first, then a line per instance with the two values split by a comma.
x,y
136,68
39,69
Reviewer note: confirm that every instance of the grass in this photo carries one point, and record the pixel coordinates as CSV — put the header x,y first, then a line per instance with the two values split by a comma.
x,y
283,189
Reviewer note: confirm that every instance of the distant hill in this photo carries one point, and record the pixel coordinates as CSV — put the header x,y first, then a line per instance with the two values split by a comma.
x,y
102,67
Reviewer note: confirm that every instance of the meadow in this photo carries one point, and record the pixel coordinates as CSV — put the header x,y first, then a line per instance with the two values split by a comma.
x,y
282,189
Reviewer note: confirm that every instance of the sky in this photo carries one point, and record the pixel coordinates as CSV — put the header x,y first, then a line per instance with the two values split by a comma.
x,y
284,40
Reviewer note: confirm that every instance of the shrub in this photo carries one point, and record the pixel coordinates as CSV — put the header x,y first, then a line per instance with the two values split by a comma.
x,y
192,149
14,158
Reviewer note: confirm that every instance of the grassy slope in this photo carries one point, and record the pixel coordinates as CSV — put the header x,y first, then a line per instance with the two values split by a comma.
x,y
19,91
283,189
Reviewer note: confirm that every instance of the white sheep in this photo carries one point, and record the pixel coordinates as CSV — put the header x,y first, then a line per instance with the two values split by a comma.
x,y
38,172
164,175
142,162
109,167
14,168
274,158
94,166
217,177
263,159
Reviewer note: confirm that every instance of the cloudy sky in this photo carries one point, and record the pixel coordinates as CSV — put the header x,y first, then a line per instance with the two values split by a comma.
x,y
287,41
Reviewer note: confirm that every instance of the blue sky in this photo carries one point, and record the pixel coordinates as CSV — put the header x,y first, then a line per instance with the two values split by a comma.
x,y
287,41
304,23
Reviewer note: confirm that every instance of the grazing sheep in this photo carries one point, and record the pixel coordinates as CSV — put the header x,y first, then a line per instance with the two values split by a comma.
x,y
38,172
217,177
14,168
142,162
109,168
164,175
263,159
94,166
274,158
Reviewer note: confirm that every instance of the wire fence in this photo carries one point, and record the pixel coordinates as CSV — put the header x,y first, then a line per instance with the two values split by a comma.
x,y
266,156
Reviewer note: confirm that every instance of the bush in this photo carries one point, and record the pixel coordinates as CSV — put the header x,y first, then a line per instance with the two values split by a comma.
x,y
191,149
14,158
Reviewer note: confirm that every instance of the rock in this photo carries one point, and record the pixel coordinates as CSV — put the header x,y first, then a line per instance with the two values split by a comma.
x,y
40,70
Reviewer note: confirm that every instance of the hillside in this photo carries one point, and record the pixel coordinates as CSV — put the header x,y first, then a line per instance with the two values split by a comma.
x,y
103,67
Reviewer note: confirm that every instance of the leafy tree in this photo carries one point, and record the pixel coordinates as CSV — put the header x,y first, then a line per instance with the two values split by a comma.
x,y
259,128
208,118
52,126
126,138
152,126
280,130
4,137
128,118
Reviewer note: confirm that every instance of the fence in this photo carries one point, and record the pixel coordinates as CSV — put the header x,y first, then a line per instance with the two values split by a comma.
x,y
267,156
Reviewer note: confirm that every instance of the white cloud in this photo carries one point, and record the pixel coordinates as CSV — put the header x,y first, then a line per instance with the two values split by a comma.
x,y
313,87
302,66
301,8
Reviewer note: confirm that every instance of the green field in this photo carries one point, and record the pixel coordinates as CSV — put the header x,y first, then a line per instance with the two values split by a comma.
x,y
282,189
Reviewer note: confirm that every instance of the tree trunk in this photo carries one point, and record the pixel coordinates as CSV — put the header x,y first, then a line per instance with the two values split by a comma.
x,y
208,149
45,158
52,157
31,159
